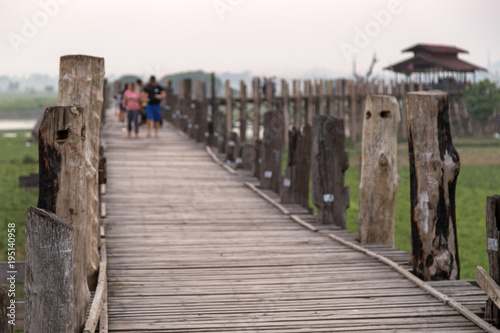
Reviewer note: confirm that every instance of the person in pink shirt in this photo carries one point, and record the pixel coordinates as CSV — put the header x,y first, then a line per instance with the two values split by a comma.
x,y
132,103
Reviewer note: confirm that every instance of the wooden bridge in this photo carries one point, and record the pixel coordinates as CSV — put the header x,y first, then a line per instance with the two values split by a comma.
x,y
187,243
191,248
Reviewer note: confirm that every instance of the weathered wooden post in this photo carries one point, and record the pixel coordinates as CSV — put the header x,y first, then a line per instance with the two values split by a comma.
x,y
329,162
81,81
201,112
243,113
220,131
5,310
286,111
231,138
379,170
434,167
352,111
298,105
309,109
256,128
49,274
493,238
187,110
62,190
271,152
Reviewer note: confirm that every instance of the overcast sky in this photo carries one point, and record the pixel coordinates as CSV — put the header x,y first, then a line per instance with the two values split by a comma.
x,y
267,37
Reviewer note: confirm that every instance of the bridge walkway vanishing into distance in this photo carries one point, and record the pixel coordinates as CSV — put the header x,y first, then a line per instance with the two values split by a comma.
x,y
191,248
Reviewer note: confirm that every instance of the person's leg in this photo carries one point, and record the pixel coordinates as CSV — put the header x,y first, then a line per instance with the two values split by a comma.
x,y
136,122
157,118
130,117
149,118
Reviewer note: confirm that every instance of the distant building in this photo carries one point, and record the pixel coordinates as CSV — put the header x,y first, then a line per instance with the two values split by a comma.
x,y
437,67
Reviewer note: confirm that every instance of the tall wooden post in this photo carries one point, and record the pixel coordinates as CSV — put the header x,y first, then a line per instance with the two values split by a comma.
x,y
286,111
81,81
340,92
63,172
329,162
243,113
352,111
331,98
310,103
379,170
434,167
321,98
230,138
271,152
201,111
493,238
298,105
49,274
256,128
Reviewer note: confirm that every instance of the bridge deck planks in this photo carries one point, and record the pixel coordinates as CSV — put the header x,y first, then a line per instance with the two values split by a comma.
x,y
191,249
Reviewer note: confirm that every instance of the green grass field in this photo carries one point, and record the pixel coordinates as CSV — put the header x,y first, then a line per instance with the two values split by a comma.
x,y
16,159
23,105
479,177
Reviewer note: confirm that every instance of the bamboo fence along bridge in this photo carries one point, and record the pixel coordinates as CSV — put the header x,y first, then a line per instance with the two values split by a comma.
x,y
190,244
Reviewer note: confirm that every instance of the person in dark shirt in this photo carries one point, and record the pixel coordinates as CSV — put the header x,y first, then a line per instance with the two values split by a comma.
x,y
155,94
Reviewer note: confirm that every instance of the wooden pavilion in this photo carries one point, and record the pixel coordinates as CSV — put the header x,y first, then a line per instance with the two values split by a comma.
x,y
436,66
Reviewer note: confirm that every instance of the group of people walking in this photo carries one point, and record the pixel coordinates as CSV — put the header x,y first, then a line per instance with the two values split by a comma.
x,y
143,100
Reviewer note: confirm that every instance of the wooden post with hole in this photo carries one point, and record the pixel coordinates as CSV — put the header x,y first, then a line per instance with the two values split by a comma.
x,y
271,151
81,82
62,190
434,167
379,170
329,162
49,285
492,312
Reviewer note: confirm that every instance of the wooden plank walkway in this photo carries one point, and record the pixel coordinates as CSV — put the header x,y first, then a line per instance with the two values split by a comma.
x,y
191,249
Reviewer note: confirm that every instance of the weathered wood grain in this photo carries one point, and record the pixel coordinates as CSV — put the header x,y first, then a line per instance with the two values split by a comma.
x,y
434,167
50,301
379,182
492,311
63,191
329,162
81,83
270,172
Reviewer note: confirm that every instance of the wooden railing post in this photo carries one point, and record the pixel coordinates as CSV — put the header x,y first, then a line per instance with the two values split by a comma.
x,y
493,239
434,167
187,110
230,136
81,81
329,162
271,153
256,128
379,170
243,126
201,111
49,274
62,188
286,111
